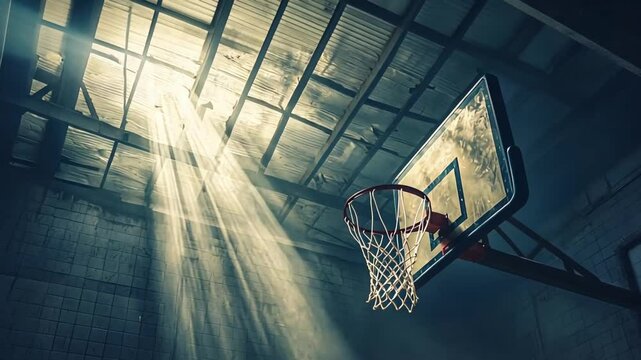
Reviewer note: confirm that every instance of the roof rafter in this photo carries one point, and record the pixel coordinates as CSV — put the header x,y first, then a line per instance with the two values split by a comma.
x,y
361,97
302,83
81,29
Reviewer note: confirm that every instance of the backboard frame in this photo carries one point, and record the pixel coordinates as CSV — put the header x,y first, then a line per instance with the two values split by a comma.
x,y
516,189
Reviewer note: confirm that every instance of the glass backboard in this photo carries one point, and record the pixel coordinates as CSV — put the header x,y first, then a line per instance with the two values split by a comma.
x,y
471,171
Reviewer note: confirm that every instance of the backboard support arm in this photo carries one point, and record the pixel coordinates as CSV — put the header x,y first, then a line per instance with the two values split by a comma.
x,y
573,278
568,262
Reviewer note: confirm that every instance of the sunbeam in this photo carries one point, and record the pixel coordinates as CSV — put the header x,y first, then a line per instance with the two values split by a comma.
x,y
226,273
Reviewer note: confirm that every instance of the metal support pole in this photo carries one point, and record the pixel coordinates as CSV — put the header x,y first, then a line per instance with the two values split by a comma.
x,y
568,262
549,275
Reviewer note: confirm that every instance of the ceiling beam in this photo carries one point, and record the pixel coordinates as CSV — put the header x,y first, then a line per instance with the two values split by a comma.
x,y
610,28
76,47
70,117
420,88
302,83
210,47
360,98
18,66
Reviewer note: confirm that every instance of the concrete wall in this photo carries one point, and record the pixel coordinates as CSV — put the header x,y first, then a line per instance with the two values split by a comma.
x,y
555,324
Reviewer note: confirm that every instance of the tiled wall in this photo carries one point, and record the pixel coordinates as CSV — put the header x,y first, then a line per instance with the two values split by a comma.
x,y
78,281
556,324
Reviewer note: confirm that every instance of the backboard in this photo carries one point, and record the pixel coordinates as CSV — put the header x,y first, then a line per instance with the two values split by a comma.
x,y
471,171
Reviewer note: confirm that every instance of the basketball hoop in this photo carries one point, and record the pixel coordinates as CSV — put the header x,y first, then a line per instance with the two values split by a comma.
x,y
390,241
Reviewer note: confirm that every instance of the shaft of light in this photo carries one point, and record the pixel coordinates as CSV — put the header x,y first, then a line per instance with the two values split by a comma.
x,y
227,283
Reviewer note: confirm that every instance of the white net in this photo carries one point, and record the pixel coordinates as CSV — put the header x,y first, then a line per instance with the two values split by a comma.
x,y
389,245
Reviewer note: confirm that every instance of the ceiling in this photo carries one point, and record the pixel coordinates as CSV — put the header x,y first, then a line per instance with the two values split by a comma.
x,y
314,99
